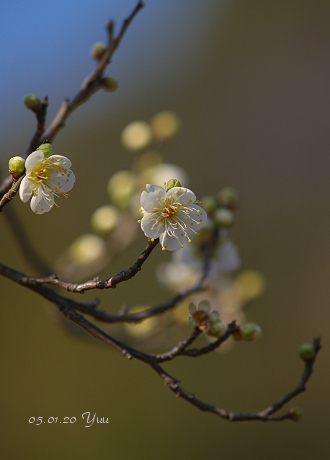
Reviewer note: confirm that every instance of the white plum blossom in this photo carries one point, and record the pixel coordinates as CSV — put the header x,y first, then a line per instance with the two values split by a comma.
x,y
44,179
171,215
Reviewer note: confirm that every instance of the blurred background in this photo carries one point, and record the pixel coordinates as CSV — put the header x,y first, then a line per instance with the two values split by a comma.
x,y
250,83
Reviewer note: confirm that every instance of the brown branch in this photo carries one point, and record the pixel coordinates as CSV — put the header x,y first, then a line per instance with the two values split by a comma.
x,y
41,120
96,283
94,82
9,195
65,307
265,415
23,242
180,349
124,316
91,85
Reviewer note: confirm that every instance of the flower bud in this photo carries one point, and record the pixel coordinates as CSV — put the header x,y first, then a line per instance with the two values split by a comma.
x,y
172,183
306,351
97,51
251,332
217,328
110,84
32,102
224,217
295,414
209,203
16,167
228,197
47,149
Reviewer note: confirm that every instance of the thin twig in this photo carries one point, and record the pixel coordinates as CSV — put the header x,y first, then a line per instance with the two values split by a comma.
x,y
41,120
91,84
7,197
23,242
94,82
96,283
267,415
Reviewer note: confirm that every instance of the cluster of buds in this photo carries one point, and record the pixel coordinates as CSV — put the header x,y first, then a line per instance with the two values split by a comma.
x,y
206,320
97,52
221,208
249,332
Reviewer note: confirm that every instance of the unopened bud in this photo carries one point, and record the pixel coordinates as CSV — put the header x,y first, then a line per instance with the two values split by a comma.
x,y
251,332
98,50
110,84
217,328
228,197
224,217
295,414
32,102
16,167
306,351
209,203
172,183
47,149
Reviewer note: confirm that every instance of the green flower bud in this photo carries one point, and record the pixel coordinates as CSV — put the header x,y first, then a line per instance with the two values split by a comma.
x,y
110,84
172,183
16,167
306,351
228,197
251,332
47,149
224,217
32,102
98,50
217,328
295,414
209,203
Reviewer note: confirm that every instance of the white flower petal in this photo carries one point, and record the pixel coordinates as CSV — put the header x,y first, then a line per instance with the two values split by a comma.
x,y
61,160
181,194
33,159
194,217
42,202
192,308
150,228
25,191
170,242
153,198
62,182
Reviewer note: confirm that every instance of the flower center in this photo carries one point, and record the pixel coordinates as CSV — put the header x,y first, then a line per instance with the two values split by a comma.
x,y
40,175
169,212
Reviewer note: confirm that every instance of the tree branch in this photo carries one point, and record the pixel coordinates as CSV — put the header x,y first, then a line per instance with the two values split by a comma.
x,y
94,82
91,84
96,283
65,306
